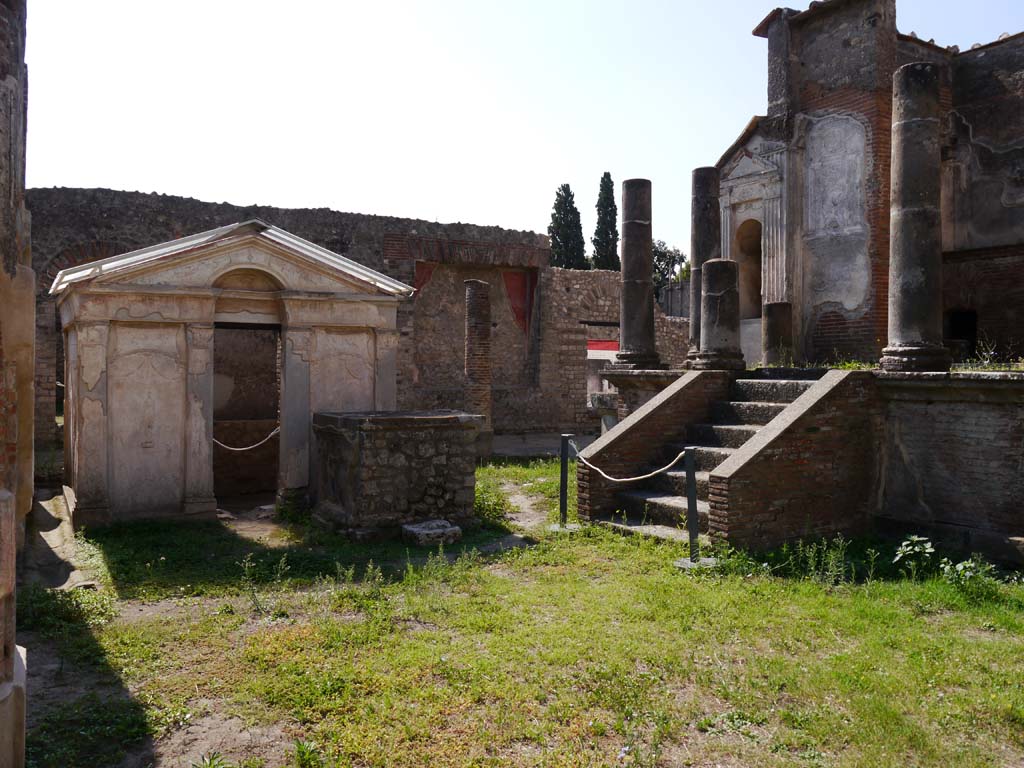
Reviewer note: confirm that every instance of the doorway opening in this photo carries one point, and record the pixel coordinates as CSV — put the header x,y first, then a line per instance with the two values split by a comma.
x,y
246,409
960,329
748,243
247,385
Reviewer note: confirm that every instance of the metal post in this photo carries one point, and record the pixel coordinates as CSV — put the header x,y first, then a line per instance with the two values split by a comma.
x,y
692,523
563,491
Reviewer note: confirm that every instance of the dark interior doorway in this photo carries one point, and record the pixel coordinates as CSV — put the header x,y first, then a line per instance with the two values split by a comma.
x,y
960,328
748,242
246,408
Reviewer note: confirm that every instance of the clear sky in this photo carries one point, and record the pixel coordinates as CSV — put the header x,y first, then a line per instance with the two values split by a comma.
x,y
449,110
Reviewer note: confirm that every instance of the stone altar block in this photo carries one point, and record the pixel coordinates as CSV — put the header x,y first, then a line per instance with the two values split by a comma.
x,y
381,470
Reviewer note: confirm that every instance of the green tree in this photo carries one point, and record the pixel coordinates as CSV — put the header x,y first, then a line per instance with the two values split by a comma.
x,y
566,232
670,265
606,233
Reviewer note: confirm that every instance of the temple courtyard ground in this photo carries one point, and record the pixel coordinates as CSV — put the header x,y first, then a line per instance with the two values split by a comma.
x,y
255,642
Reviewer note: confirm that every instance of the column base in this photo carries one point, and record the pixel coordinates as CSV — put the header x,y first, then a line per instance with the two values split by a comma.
x,y
86,513
296,500
200,507
919,357
636,361
12,714
726,360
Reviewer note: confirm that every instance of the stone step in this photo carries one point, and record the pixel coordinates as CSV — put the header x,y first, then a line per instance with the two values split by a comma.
x,y
634,526
659,508
760,413
769,390
720,435
674,482
707,456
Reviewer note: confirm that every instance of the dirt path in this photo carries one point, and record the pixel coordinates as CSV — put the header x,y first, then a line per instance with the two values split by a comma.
x,y
531,514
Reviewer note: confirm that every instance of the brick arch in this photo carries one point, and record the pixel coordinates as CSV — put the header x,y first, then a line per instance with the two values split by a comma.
x,y
50,339
75,256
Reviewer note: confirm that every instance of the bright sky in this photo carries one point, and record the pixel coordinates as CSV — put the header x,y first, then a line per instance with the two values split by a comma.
x,y
448,110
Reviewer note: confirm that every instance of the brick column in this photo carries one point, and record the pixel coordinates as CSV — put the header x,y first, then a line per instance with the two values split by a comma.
x,y
478,359
705,242
636,313
720,318
915,240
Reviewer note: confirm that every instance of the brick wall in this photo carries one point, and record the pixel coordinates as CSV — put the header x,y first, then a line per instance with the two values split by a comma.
x,y
951,455
638,441
478,350
8,422
991,282
807,474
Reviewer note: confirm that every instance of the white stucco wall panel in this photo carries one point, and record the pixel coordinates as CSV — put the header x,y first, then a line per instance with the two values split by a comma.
x,y
342,371
146,396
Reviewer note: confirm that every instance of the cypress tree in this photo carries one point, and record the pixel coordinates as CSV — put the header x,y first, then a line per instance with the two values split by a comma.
x,y
606,233
566,232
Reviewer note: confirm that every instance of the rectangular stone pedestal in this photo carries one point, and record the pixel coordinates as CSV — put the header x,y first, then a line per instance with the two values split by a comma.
x,y
637,387
379,471
12,715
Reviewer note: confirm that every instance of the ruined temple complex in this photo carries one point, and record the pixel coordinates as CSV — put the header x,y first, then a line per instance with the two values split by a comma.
x,y
851,250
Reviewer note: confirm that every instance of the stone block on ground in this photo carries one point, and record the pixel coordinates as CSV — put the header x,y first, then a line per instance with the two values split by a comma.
x,y
430,533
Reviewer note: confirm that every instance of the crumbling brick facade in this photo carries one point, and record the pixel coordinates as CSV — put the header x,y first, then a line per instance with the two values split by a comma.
x,y
814,172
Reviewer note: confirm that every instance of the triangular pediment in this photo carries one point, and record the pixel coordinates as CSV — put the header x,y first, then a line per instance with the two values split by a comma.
x,y
200,261
747,162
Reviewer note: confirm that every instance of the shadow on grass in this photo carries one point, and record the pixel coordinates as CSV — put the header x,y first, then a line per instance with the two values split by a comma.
x,y
155,560
84,716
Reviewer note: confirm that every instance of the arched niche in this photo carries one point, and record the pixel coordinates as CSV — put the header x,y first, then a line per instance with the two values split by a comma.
x,y
748,256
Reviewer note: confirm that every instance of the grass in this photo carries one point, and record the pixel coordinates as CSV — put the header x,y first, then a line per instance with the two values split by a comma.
x,y
536,477
589,650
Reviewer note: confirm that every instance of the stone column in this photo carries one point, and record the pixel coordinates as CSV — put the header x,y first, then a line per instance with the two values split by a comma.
x,y
705,243
636,310
720,318
777,333
915,239
199,496
478,360
296,418
12,665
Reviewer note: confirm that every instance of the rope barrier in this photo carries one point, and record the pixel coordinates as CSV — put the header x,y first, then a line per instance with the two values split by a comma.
x,y
608,477
249,448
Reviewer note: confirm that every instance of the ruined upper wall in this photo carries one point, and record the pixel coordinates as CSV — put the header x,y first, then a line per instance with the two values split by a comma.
x,y
81,224
844,45
988,92
985,167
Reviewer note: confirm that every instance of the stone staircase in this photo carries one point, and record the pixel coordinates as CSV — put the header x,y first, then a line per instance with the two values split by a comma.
x,y
661,501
